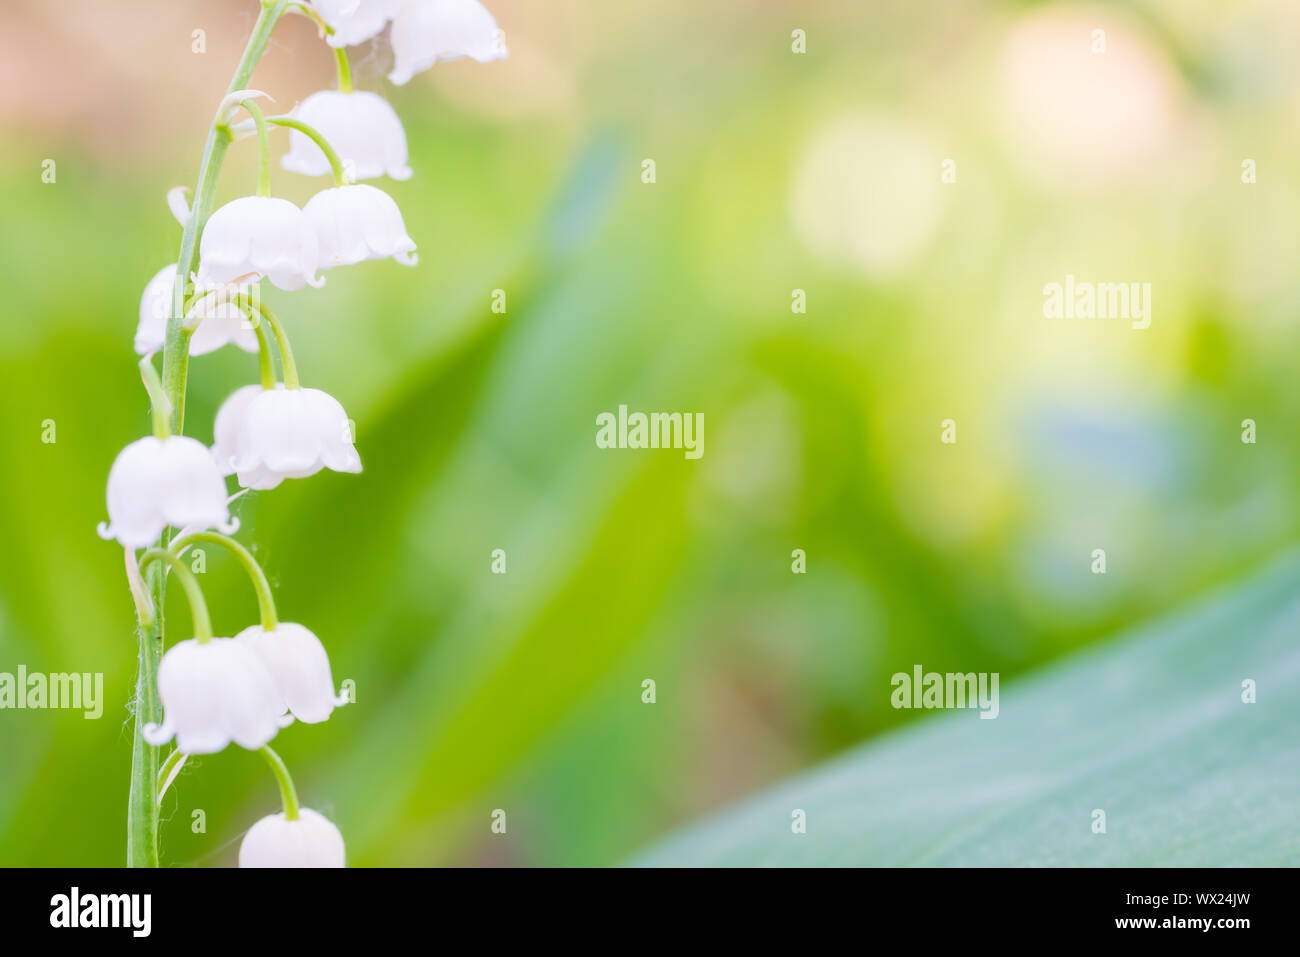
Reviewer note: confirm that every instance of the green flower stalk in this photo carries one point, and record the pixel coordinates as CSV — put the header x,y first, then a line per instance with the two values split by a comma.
x,y
209,691
142,806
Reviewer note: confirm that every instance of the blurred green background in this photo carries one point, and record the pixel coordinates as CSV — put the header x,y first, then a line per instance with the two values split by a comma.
x,y
776,171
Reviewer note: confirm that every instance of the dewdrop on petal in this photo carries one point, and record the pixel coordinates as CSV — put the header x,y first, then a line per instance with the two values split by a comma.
x,y
426,31
310,841
358,222
300,668
355,21
159,482
222,322
285,433
213,693
361,127
257,236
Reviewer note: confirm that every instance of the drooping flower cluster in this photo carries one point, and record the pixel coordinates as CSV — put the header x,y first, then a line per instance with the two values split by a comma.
x,y
215,691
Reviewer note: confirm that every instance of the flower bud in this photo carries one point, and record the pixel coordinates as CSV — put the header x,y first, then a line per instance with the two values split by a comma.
x,y
310,841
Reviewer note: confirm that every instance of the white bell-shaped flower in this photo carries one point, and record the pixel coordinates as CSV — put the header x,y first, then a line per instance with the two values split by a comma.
x,y
355,21
258,236
225,429
222,321
310,841
159,482
426,31
358,222
300,668
265,436
213,693
361,127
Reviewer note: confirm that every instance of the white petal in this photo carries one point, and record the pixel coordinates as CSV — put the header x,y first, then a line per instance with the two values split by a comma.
x,y
178,203
358,222
227,425
259,236
361,127
427,31
159,482
212,694
354,21
155,308
310,841
223,322
195,492
300,668
292,433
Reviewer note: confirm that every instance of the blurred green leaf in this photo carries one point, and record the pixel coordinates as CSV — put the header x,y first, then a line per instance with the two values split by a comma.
x,y
1151,729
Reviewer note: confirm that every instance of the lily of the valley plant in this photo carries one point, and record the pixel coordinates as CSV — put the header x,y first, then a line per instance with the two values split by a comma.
x,y
168,492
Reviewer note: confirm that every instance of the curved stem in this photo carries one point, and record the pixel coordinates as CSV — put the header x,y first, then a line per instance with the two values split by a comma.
x,y
142,805
198,607
176,352
266,365
265,603
282,341
345,70
263,147
288,796
336,164
308,11
197,308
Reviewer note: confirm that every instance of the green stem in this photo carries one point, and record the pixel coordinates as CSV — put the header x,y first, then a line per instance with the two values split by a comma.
x,y
336,164
264,361
248,305
142,804
310,13
345,70
282,341
176,352
265,603
263,147
288,796
198,607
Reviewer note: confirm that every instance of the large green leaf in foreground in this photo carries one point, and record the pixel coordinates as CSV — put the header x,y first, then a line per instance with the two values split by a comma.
x,y
1151,728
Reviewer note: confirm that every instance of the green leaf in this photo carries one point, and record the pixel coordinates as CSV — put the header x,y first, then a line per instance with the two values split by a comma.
x,y
1150,728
